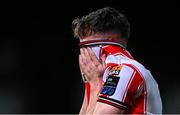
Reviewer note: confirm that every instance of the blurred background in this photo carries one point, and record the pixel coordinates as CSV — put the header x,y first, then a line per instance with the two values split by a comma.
x,y
39,71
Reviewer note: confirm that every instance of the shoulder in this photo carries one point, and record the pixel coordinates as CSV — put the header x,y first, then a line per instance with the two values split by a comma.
x,y
126,65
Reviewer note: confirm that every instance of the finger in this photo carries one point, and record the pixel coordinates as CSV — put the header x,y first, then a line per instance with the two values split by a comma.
x,y
88,63
81,64
86,54
81,50
83,57
103,59
93,56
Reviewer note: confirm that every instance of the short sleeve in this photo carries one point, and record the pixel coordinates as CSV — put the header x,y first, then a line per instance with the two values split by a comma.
x,y
120,86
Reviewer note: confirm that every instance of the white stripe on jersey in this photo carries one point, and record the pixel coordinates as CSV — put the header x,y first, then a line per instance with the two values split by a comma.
x,y
153,101
125,76
121,105
128,86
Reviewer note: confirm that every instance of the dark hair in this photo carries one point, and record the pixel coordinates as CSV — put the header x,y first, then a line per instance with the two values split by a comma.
x,y
103,20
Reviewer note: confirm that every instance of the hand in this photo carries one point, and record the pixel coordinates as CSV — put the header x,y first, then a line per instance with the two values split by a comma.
x,y
90,66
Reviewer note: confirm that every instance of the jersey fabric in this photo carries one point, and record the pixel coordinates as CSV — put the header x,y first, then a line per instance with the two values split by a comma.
x,y
127,84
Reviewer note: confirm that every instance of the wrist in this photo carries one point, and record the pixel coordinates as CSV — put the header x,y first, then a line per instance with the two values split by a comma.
x,y
96,85
95,82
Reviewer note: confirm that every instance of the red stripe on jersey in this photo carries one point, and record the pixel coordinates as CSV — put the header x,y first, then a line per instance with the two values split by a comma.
x,y
112,49
111,103
111,65
138,104
87,87
127,88
103,95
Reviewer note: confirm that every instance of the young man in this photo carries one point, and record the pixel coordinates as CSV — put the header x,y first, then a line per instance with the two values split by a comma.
x,y
115,82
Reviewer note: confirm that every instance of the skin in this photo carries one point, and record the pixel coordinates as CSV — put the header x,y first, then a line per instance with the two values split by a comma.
x,y
93,70
91,66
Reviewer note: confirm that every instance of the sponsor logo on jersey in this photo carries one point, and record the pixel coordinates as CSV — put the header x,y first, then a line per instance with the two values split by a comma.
x,y
110,85
112,80
115,70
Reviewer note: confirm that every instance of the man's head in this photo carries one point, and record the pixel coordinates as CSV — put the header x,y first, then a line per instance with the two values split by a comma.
x,y
103,24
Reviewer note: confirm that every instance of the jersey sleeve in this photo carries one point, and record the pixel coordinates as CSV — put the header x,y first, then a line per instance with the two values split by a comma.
x,y
121,86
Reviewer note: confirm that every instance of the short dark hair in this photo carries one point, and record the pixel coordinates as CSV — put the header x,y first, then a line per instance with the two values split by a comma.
x,y
103,20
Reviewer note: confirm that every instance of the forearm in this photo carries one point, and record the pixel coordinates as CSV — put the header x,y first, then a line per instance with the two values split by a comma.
x,y
85,101
84,105
94,92
92,69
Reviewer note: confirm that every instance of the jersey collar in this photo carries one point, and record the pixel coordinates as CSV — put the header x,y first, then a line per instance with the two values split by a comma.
x,y
108,47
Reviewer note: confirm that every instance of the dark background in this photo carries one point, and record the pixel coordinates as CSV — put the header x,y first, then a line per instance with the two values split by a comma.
x,y
39,70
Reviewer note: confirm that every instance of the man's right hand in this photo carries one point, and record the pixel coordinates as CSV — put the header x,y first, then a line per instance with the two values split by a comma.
x,y
91,68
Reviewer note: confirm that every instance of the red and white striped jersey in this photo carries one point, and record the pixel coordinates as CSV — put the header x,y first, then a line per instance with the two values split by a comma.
x,y
128,84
